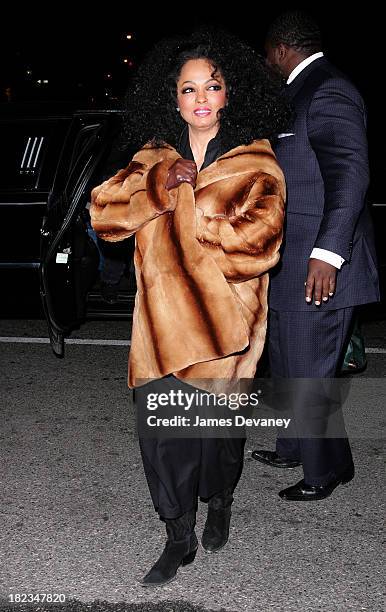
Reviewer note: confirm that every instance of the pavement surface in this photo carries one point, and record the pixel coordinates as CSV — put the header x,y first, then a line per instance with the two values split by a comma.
x,y
76,517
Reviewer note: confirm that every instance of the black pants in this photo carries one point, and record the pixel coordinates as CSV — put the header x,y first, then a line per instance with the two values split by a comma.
x,y
179,470
311,345
116,257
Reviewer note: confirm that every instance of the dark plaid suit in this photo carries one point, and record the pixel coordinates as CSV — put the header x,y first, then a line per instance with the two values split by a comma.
x,y
326,168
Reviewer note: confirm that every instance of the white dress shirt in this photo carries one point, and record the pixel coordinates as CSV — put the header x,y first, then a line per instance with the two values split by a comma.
x,y
328,256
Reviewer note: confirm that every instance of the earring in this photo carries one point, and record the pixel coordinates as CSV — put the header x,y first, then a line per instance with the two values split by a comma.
x,y
177,109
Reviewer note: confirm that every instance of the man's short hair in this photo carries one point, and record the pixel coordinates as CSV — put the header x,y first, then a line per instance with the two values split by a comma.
x,y
297,30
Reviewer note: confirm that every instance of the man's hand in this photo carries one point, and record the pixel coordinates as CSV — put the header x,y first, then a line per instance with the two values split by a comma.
x,y
321,281
182,171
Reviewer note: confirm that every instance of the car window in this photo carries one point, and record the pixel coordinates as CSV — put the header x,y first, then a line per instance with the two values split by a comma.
x,y
84,150
29,153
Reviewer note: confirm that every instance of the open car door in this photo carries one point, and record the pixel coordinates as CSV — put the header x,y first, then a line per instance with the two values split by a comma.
x,y
68,255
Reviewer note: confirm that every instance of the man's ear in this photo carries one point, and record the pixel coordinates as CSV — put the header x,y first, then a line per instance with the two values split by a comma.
x,y
282,51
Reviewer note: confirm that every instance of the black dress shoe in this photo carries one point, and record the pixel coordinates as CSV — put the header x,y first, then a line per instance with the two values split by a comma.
x,y
304,492
272,458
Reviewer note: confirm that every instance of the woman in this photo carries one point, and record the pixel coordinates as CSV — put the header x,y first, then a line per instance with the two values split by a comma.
x,y
204,196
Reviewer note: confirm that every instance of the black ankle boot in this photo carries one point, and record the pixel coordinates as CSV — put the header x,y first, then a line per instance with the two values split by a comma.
x,y
180,549
216,530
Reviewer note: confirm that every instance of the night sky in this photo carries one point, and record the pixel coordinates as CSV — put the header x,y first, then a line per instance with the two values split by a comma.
x,y
76,45
71,44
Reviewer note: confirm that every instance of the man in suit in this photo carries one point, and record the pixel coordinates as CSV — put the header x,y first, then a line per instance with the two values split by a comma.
x,y
328,260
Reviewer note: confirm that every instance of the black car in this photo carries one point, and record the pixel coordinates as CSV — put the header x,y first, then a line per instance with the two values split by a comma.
x,y
51,159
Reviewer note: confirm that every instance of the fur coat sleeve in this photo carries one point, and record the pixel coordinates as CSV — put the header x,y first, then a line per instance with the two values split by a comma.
x,y
135,195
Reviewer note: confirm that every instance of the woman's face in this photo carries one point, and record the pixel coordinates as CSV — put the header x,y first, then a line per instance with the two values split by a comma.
x,y
200,95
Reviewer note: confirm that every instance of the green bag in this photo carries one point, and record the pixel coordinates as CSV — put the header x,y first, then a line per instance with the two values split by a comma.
x,y
355,359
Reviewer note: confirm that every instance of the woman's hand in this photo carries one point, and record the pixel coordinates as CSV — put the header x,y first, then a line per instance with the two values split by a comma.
x,y
182,171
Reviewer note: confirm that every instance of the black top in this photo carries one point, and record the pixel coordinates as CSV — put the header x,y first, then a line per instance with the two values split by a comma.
x,y
213,151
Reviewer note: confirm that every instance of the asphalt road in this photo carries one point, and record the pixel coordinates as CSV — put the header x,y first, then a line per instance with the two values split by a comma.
x,y
76,517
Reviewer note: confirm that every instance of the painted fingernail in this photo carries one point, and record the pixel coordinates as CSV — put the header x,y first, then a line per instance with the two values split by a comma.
x,y
317,303
325,299
331,294
308,299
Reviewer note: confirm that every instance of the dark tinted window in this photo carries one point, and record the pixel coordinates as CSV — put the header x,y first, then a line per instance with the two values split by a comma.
x,y
30,150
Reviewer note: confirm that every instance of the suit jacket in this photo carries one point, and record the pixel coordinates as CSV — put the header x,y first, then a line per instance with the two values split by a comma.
x,y
201,259
325,164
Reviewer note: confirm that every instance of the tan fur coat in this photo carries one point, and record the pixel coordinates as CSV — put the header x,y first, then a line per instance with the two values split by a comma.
x,y
201,259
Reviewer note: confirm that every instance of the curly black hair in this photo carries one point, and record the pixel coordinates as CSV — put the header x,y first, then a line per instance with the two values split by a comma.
x,y
296,29
256,105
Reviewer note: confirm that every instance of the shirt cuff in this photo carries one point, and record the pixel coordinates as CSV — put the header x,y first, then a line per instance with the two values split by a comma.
x,y
328,256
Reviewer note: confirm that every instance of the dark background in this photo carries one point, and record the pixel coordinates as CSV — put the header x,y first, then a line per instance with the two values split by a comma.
x,y
79,48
